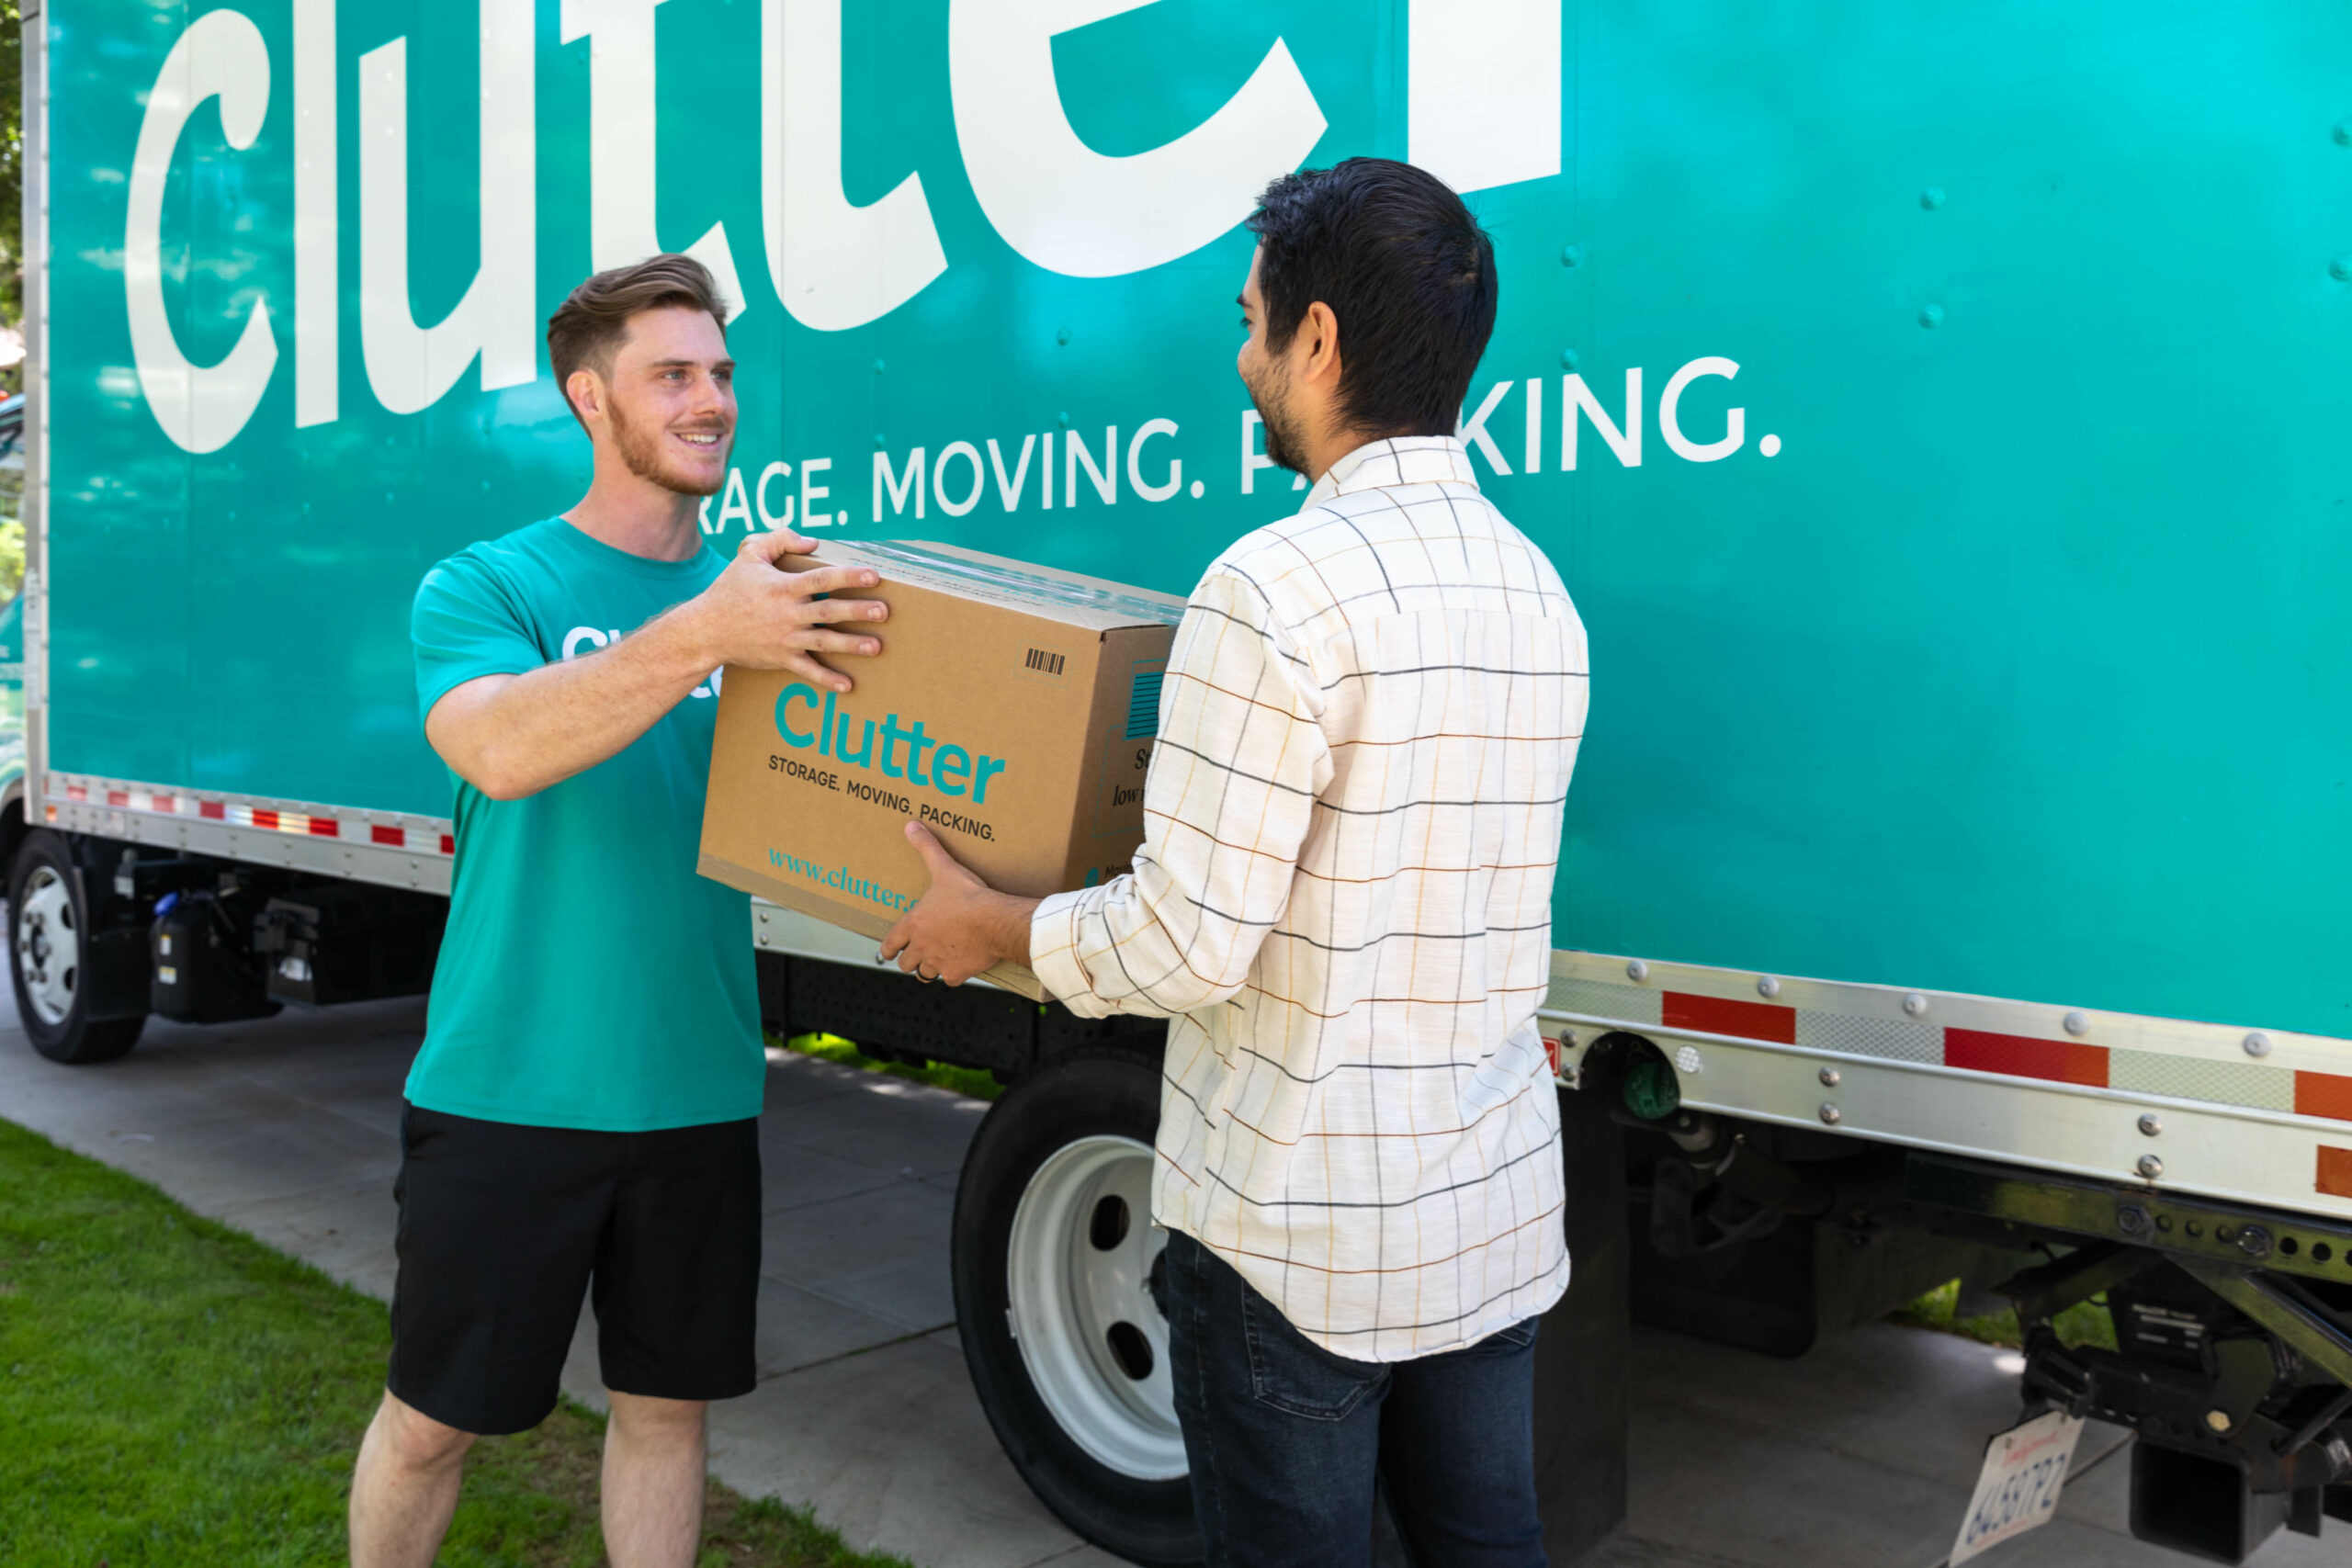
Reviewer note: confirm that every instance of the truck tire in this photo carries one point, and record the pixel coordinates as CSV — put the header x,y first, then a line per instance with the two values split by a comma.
x,y
48,917
1053,1251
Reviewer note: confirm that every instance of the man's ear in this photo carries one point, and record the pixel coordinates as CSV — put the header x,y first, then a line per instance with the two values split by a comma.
x,y
1321,330
586,390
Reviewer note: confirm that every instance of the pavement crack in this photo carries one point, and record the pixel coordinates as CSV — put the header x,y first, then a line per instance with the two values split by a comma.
x,y
861,1350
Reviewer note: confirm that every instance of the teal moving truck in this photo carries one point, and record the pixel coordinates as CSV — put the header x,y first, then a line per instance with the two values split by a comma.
x,y
1937,412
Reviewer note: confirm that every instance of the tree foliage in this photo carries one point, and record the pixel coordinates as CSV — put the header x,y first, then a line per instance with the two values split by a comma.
x,y
12,162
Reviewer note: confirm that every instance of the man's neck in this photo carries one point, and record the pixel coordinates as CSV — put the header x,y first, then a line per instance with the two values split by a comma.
x,y
639,517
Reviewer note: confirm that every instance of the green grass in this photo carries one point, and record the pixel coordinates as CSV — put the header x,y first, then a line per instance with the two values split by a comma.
x,y
174,1393
978,1082
2085,1323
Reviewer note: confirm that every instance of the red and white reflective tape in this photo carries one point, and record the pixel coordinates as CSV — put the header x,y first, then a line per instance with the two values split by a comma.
x,y
2304,1075
2263,1092
432,840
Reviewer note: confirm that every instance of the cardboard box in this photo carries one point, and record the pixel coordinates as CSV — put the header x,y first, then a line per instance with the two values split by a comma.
x,y
1012,710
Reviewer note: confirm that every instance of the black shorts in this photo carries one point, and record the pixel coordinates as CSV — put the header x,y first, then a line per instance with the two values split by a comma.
x,y
504,1229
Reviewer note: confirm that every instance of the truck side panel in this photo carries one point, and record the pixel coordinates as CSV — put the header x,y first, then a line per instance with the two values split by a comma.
x,y
1953,390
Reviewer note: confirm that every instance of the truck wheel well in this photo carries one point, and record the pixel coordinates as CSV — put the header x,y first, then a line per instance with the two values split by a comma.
x,y
13,827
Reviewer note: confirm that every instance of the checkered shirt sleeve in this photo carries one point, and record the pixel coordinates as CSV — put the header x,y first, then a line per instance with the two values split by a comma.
x,y
1227,802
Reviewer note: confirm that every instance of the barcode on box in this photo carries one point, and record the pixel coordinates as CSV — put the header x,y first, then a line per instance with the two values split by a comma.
x,y
1045,663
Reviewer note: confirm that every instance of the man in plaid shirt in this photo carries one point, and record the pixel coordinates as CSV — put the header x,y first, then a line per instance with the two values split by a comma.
x,y
1343,908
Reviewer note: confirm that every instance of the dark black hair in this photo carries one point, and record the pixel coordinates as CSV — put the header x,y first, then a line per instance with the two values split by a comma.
x,y
1405,269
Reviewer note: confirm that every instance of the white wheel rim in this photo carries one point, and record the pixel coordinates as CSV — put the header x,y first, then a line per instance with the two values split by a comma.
x,y
49,950
1081,1313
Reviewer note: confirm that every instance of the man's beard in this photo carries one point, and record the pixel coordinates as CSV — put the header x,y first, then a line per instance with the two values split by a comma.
x,y
1285,442
648,457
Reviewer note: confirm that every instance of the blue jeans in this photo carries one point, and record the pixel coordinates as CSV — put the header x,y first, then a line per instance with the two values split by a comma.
x,y
1290,1444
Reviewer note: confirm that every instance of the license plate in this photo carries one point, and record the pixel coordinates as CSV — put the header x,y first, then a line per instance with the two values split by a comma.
x,y
2017,1490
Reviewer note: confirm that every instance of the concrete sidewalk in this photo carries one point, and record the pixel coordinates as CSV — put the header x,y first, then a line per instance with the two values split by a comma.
x,y
1861,1455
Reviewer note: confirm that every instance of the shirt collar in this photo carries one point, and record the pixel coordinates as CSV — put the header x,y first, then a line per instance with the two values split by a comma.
x,y
1396,460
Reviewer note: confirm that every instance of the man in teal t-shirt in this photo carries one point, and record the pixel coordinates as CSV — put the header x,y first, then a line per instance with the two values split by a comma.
x,y
582,1116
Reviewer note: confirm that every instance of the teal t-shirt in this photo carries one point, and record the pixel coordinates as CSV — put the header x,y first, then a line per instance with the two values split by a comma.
x,y
588,977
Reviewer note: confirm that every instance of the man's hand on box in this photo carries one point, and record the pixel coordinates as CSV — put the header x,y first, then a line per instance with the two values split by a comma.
x,y
512,736
763,615
961,927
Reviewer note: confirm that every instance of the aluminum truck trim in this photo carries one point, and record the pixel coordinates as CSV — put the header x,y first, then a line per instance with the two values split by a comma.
x,y
2263,1157
1995,1034
2255,1115
365,846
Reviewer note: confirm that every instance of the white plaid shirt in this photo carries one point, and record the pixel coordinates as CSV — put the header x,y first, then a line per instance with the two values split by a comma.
x,y
1344,906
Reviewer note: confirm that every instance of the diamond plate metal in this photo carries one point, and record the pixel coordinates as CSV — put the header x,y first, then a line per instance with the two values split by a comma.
x,y
1628,1004
2190,1077
1895,1039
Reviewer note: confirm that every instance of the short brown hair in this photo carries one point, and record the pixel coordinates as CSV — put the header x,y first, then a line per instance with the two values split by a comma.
x,y
593,321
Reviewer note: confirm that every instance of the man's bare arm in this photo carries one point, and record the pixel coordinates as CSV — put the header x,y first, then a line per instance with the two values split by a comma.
x,y
510,736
